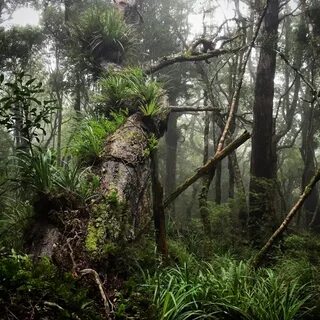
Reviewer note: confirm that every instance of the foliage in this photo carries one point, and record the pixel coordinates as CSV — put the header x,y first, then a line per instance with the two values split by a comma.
x,y
36,170
102,35
87,143
303,246
129,89
152,145
226,289
40,290
21,110
18,45
40,172
15,218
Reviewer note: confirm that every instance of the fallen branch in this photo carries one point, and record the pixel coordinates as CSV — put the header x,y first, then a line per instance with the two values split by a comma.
x,y
106,302
258,259
209,166
187,56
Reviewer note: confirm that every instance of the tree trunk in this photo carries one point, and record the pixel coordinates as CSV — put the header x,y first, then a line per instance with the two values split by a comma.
x,y
121,212
231,178
218,191
310,206
158,208
171,156
263,156
261,255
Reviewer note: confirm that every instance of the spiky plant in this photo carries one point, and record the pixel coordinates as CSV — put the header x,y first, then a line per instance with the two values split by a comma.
x,y
103,35
130,89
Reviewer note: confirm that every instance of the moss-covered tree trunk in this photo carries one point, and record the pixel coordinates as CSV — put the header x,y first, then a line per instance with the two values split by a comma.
x,y
121,210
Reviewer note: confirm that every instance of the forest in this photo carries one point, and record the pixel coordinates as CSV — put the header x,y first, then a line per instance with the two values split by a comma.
x,y
159,160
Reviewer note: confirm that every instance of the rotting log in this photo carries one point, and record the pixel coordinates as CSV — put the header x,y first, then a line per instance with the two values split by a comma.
x,y
209,166
259,258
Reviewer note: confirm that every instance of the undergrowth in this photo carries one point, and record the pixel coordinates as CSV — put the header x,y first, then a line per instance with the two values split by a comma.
x,y
226,289
40,291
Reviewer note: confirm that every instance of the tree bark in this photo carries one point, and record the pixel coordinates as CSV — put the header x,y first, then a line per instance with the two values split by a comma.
x,y
171,156
263,157
158,209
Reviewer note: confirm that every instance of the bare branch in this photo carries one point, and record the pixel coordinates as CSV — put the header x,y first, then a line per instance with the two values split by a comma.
x,y
97,280
190,109
188,56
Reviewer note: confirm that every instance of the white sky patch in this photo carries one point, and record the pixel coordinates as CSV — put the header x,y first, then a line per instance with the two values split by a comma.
x,y
22,17
223,10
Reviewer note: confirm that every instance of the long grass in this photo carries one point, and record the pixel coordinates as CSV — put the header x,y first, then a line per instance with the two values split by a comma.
x,y
226,289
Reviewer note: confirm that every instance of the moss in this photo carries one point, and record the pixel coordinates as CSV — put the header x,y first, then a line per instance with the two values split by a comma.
x,y
108,226
93,236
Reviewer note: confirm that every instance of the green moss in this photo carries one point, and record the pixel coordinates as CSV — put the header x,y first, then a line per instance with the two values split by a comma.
x,y
108,226
93,236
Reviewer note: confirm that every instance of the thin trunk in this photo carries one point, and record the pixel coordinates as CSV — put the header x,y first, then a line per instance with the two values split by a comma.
x,y
231,178
171,157
191,204
218,191
158,209
206,180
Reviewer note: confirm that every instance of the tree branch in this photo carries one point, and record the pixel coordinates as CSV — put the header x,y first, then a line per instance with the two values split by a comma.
x,y
188,56
106,301
191,109
258,259
209,166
